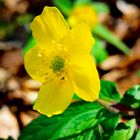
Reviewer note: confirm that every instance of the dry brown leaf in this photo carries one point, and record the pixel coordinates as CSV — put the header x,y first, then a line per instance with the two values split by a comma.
x,y
128,82
12,60
26,118
111,62
129,10
27,96
30,96
114,75
12,84
17,5
121,29
8,124
134,56
4,75
30,84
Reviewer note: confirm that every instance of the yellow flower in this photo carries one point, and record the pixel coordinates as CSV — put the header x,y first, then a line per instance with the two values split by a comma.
x,y
61,61
83,13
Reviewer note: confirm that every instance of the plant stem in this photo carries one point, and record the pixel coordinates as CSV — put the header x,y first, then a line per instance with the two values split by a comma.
x,y
108,107
104,33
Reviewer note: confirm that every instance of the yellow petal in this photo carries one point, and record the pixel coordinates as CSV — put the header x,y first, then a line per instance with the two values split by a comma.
x,y
85,78
85,14
52,101
35,65
48,27
79,41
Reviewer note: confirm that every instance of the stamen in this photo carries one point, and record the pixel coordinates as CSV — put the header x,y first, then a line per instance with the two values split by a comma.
x,y
57,64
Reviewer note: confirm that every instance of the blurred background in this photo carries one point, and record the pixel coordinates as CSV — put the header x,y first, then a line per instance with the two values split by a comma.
x,y
116,52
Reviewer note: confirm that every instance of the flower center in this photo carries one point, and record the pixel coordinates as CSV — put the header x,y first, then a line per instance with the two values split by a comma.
x,y
57,64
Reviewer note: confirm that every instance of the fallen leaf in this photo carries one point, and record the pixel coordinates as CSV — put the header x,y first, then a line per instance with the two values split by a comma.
x,y
8,124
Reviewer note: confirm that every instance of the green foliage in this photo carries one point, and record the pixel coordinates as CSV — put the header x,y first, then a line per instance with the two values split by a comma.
x,y
9,138
29,44
139,73
64,5
99,51
88,120
132,97
124,131
104,33
100,7
109,92
24,19
5,29
109,126
75,97
81,120
81,2
137,135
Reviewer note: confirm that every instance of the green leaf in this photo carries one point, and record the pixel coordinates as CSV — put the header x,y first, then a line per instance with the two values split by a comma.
x,y
138,135
81,2
75,97
80,121
100,7
29,44
63,125
103,32
24,19
124,131
9,138
6,29
109,92
65,6
109,126
138,73
99,51
132,97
